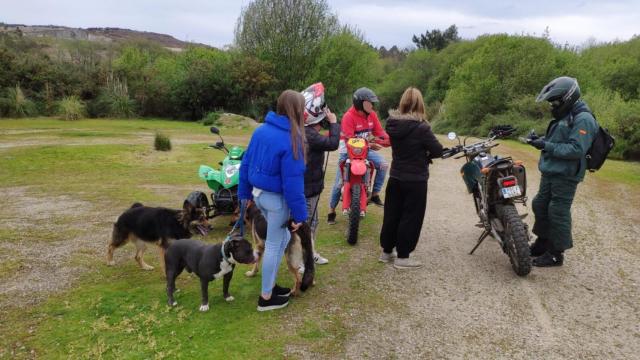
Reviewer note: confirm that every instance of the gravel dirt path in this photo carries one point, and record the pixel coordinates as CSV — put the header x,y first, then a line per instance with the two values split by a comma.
x,y
474,306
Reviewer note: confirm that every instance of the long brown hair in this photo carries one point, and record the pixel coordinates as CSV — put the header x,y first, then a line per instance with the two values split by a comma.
x,y
412,103
291,104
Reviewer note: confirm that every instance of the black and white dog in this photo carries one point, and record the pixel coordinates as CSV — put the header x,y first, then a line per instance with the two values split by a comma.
x,y
208,261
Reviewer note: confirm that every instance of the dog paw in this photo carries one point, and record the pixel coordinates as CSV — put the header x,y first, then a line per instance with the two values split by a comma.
x,y
174,303
147,267
229,298
204,307
111,263
250,273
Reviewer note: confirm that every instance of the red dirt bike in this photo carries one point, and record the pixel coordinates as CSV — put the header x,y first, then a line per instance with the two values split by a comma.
x,y
355,186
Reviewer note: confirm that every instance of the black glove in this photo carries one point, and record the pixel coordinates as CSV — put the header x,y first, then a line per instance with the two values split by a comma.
x,y
538,143
532,136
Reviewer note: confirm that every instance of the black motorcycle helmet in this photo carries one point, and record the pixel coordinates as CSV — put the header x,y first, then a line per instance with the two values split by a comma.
x,y
361,95
562,93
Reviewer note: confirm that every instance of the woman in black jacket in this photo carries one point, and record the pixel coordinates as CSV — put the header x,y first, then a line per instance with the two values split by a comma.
x,y
413,145
315,111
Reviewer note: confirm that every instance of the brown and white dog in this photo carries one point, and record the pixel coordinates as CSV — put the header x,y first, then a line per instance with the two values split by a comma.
x,y
142,224
299,251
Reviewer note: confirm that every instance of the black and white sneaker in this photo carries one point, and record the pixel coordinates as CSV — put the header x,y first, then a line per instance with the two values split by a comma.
x,y
276,302
280,291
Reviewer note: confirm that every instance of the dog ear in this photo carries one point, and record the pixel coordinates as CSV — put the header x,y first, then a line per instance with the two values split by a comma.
x,y
187,207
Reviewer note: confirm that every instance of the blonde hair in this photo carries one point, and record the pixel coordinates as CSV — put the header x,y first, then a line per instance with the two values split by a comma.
x,y
291,104
411,102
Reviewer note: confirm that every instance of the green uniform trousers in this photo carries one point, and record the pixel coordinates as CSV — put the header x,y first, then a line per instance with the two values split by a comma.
x,y
552,208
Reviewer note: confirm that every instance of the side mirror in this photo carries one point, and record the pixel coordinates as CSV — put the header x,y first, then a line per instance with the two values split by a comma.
x,y
452,136
214,130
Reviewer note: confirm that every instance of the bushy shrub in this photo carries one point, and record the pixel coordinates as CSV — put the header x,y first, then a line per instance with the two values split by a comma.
x,y
114,100
621,117
16,104
211,118
162,142
71,108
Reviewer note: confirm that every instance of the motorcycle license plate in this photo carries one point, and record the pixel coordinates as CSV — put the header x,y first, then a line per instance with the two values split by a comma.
x,y
511,191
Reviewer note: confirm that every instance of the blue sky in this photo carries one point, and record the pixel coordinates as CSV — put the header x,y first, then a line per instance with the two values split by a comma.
x,y
384,22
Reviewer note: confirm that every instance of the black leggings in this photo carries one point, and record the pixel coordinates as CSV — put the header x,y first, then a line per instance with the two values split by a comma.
x,y
404,206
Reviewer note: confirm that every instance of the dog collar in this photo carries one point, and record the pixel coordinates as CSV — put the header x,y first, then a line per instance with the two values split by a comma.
x,y
224,256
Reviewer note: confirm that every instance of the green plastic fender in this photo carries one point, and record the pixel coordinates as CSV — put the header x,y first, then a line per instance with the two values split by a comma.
x,y
471,175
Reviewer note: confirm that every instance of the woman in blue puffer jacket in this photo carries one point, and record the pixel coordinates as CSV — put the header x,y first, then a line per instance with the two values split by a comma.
x,y
272,174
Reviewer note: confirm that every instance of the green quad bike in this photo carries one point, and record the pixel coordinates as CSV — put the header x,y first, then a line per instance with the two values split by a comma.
x,y
223,182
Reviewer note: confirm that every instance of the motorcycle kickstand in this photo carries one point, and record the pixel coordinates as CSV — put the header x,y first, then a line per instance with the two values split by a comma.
x,y
480,240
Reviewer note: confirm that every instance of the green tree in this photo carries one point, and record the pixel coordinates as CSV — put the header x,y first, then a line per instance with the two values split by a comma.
x,y
287,34
345,63
502,69
436,39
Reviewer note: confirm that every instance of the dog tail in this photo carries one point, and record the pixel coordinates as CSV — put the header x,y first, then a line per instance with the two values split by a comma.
x,y
136,204
304,232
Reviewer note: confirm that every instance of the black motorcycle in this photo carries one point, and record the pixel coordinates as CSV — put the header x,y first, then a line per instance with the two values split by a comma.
x,y
497,184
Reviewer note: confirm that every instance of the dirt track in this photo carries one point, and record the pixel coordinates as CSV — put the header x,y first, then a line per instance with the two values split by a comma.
x,y
474,306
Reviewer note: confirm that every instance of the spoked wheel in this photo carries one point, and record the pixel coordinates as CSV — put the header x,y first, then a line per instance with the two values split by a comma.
x,y
354,215
516,240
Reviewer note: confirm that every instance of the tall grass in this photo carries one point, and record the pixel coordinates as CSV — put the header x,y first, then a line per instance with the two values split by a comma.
x,y
16,104
71,108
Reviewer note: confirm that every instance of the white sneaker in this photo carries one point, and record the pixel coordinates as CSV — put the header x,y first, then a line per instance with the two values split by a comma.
x,y
386,258
406,263
319,259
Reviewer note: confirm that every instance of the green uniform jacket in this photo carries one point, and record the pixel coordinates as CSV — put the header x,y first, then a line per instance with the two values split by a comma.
x,y
567,145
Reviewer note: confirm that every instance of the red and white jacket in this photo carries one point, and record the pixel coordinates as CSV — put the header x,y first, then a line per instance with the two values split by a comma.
x,y
355,124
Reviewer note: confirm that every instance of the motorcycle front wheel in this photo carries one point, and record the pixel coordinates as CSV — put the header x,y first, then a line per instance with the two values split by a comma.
x,y
516,240
354,215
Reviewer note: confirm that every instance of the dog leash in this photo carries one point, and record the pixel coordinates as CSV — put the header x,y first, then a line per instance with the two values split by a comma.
x,y
324,172
240,223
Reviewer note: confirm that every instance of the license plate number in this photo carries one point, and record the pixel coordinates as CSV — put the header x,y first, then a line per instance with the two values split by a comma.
x,y
511,191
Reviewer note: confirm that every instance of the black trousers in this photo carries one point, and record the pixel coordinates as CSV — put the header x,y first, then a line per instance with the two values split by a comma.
x,y
405,203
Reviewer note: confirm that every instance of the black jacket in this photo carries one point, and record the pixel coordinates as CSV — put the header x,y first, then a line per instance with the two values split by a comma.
x,y
317,145
413,145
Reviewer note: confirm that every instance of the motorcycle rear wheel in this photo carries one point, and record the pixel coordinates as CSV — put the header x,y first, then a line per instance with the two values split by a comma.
x,y
516,240
354,215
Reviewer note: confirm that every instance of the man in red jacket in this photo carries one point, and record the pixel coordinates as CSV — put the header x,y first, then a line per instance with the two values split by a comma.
x,y
362,121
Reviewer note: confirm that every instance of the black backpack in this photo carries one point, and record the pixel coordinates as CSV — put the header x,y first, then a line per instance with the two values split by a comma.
x,y
602,144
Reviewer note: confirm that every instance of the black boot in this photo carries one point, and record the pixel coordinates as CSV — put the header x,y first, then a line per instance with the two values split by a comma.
x,y
549,259
539,247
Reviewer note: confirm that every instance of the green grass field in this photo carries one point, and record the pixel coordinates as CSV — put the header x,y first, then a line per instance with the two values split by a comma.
x,y
121,312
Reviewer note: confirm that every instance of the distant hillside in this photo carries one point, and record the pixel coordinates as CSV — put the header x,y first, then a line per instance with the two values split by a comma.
x,y
96,34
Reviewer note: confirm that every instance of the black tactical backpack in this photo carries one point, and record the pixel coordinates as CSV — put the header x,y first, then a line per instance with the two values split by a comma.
x,y
602,144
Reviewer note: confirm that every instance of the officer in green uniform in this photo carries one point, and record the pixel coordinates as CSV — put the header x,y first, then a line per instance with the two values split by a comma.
x,y
562,164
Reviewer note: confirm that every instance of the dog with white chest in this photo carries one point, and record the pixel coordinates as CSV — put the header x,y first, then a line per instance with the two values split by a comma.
x,y
208,261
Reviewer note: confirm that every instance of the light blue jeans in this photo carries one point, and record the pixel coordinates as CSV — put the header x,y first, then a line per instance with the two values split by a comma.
x,y
379,163
274,208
